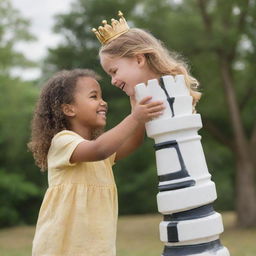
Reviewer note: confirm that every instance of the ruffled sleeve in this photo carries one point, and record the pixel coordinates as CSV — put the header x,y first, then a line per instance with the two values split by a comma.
x,y
62,146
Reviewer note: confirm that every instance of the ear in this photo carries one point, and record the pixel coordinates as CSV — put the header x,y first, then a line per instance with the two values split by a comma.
x,y
141,59
68,110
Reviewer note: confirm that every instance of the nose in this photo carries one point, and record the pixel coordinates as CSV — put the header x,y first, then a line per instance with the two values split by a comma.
x,y
104,103
114,81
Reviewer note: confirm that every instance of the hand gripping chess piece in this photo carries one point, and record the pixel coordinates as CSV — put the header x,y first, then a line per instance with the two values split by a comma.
x,y
190,225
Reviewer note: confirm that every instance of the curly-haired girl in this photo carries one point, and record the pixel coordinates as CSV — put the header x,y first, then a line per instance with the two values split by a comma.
x,y
79,212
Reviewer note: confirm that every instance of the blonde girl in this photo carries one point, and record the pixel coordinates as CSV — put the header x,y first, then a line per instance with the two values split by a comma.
x,y
78,214
153,60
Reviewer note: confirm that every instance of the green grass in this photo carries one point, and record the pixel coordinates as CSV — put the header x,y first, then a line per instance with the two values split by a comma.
x,y
137,235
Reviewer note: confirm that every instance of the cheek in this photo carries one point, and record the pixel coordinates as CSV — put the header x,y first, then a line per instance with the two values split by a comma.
x,y
137,78
137,73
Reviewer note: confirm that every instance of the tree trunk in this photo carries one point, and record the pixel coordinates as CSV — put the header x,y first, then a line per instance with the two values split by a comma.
x,y
245,168
242,147
245,193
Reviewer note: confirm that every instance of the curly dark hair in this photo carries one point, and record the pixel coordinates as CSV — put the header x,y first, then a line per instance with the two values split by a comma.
x,y
48,117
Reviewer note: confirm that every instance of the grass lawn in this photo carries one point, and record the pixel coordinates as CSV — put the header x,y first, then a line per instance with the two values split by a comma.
x,y
137,236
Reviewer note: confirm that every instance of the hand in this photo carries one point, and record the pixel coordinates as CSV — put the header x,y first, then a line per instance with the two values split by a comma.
x,y
145,110
133,102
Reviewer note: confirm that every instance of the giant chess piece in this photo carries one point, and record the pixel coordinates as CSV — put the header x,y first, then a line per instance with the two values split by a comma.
x,y
190,225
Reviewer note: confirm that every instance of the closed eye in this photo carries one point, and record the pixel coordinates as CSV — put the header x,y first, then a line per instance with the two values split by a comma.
x,y
113,72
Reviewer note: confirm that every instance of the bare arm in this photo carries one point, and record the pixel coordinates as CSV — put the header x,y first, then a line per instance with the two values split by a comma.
x,y
109,142
135,140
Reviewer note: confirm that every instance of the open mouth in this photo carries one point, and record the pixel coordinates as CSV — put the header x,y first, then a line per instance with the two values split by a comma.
x,y
122,86
102,112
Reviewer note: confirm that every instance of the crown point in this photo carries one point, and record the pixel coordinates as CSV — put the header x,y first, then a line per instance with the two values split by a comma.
x,y
108,32
114,22
100,28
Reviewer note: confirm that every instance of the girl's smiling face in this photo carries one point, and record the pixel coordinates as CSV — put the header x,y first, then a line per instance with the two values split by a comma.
x,y
127,72
90,106
88,109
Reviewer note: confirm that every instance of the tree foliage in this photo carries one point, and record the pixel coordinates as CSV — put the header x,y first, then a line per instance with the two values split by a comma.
x,y
218,41
13,29
216,38
19,183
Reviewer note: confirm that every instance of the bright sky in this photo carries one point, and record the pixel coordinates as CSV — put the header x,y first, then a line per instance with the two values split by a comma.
x,y
41,14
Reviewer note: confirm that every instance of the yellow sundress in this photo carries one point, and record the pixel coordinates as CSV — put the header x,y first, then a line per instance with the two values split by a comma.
x,y
78,216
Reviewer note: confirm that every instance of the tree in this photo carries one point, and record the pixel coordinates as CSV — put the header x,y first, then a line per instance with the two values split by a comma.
x,y
236,24
18,178
219,39
13,29
228,26
213,35
223,40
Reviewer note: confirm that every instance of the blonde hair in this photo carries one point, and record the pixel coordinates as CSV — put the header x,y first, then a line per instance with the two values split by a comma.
x,y
160,60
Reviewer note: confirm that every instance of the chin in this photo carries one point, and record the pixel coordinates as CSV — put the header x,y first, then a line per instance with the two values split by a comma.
x,y
129,90
130,93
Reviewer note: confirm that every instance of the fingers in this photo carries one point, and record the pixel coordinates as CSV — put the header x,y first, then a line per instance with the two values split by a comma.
x,y
158,108
145,100
154,115
147,110
154,104
155,111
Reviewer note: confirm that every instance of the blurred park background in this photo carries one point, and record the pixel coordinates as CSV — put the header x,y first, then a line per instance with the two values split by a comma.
x,y
218,41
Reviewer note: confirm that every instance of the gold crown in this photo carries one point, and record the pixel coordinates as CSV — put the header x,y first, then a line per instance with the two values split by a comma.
x,y
108,32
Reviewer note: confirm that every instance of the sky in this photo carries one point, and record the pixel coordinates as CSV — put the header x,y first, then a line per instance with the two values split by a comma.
x,y
41,15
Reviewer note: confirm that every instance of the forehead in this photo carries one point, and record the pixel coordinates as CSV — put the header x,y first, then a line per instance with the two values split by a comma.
x,y
87,84
108,62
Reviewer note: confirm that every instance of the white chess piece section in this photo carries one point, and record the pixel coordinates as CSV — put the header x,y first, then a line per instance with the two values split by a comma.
x,y
186,192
